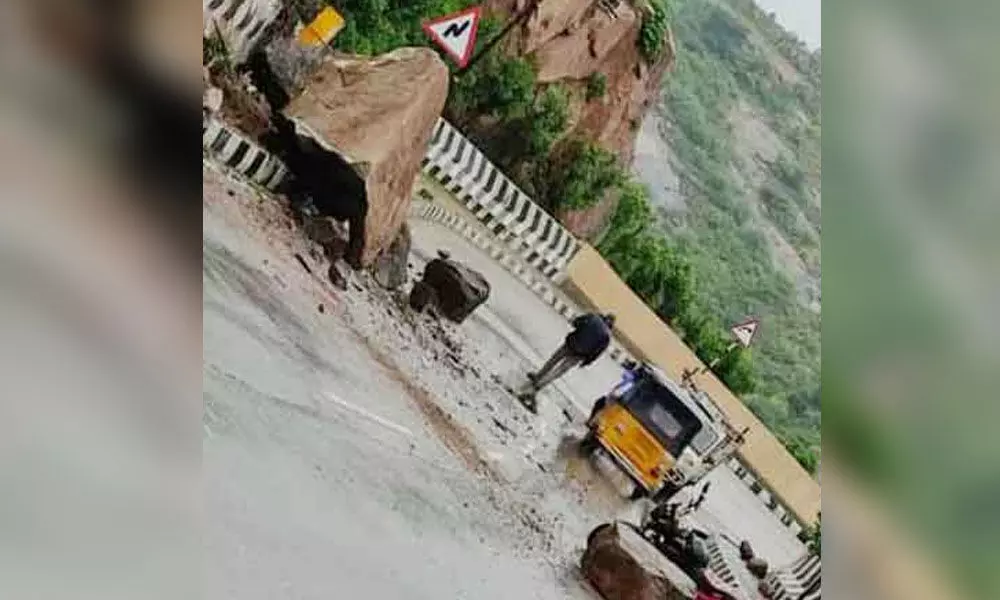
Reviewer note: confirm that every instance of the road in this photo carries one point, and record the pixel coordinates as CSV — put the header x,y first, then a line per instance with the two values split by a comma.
x,y
519,317
528,323
351,448
323,475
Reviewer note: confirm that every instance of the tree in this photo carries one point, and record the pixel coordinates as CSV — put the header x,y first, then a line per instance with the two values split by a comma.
x,y
802,450
678,289
549,117
507,87
737,371
653,32
631,217
597,85
589,173
812,536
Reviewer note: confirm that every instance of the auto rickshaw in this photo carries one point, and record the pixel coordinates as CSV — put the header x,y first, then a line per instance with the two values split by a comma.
x,y
643,425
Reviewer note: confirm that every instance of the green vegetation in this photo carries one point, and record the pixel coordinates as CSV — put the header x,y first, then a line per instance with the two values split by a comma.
x,y
378,26
727,57
652,35
597,86
813,537
589,172
548,120
662,276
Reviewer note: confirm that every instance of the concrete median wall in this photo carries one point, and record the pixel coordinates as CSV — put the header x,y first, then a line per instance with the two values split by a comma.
x,y
593,283
227,146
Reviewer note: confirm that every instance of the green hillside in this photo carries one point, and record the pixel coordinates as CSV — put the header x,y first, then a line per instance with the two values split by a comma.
x,y
741,116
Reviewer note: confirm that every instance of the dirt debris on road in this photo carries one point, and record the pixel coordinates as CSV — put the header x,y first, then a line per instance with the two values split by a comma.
x,y
451,376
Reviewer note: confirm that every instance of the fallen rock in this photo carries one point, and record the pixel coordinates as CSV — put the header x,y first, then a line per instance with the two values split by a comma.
x,y
338,276
746,550
455,289
232,97
379,113
390,266
623,565
212,100
758,567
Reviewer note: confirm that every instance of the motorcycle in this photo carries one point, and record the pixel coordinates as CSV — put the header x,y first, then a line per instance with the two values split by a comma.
x,y
684,546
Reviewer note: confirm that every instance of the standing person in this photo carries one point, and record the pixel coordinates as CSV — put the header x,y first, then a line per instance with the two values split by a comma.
x,y
590,337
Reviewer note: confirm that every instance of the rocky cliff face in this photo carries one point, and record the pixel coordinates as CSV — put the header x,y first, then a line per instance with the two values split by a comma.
x,y
379,112
572,40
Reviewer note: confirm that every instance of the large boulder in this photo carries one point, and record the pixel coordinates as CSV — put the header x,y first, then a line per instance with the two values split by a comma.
x,y
378,113
390,266
623,565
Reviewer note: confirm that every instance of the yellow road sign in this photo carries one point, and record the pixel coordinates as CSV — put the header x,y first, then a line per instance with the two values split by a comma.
x,y
323,28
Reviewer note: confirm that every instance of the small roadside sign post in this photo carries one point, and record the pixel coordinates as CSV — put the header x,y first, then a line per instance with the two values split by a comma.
x,y
744,333
322,29
456,33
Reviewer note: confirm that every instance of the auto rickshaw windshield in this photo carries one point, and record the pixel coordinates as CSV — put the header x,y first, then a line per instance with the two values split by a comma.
x,y
663,414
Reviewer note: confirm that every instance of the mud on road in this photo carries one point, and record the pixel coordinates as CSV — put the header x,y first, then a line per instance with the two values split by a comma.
x,y
348,440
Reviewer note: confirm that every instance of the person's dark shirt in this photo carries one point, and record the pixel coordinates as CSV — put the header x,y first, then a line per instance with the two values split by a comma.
x,y
590,337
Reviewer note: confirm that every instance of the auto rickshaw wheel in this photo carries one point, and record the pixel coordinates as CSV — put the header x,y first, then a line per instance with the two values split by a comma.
x,y
665,492
638,492
589,443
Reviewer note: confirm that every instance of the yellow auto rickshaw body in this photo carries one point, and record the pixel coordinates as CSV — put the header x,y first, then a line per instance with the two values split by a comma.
x,y
644,426
632,446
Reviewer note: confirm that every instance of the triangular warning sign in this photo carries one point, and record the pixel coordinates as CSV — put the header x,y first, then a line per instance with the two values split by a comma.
x,y
456,33
746,331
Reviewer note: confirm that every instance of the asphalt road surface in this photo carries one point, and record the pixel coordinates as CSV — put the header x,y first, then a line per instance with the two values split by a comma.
x,y
351,448
535,328
323,475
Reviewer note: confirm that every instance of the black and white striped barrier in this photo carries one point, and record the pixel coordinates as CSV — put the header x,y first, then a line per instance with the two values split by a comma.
x,y
802,580
497,202
723,559
226,146
242,23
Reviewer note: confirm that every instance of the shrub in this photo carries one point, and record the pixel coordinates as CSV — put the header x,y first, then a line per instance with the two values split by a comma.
x,y
508,89
597,86
549,117
653,33
590,173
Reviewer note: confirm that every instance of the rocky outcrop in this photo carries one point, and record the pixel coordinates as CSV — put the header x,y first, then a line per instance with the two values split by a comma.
x,y
623,565
571,41
377,112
